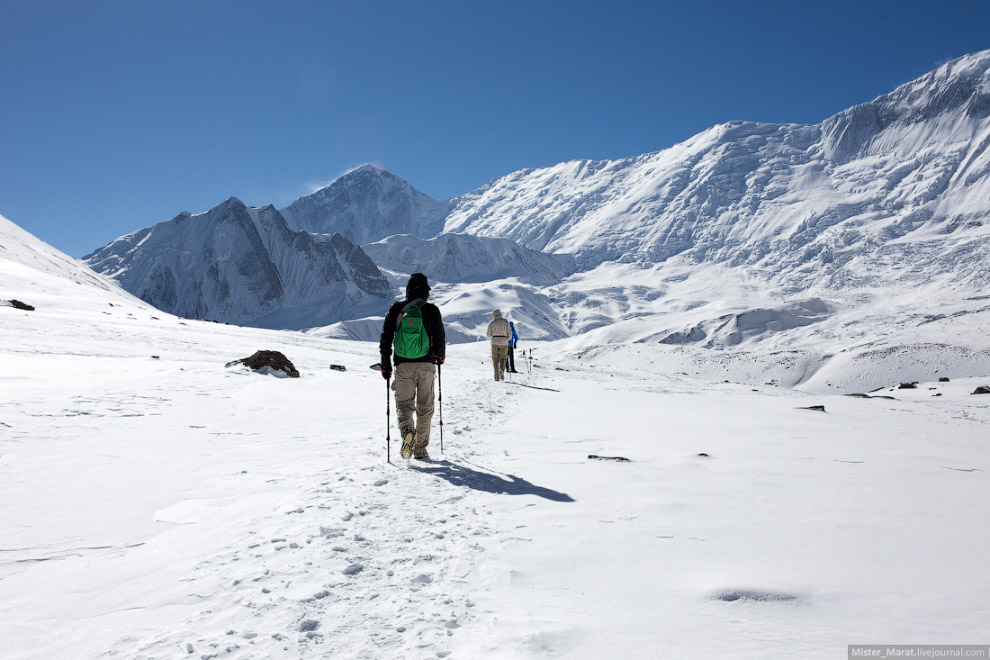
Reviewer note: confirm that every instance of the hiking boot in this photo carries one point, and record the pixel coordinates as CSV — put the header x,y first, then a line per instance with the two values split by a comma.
x,y
407,443
421,455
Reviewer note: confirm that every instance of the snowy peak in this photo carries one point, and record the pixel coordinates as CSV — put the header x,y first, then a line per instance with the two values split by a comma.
x,y
367,204
951,99
963,83
243,265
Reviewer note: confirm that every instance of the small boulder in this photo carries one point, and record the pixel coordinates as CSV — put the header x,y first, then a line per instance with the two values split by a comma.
x,y
908,386
270,359
982,389
815,408
943,379
17,304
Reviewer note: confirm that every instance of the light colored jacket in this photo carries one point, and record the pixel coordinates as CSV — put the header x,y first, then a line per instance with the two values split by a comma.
x,y
499,329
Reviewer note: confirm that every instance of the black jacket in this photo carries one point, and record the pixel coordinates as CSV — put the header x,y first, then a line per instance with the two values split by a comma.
x,y
432,321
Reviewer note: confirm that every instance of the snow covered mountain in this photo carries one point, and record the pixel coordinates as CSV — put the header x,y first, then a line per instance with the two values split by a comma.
x,y
245,266
365,205
747,233
466,258
901,183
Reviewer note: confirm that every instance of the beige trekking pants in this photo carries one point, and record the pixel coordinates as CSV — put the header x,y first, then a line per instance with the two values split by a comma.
x,y
499,355
413,387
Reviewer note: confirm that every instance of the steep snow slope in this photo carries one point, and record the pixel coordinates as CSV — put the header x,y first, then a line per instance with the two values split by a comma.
x,y
901,185
37,274
244,265
366,205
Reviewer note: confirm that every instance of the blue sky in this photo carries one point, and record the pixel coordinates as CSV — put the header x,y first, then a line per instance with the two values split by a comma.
x,y
116,115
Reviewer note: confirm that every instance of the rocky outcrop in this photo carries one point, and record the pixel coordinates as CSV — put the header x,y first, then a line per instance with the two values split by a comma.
x,y
268,360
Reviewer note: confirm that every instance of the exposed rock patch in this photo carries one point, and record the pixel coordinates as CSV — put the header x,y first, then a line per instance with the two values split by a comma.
x,y
268,359
17,304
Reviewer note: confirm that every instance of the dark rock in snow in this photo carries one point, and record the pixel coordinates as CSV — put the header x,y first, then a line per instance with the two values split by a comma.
x,y
309,625
815,408
620,459
859,395
908,386
17,304
982,389
338,367
943,380
271,359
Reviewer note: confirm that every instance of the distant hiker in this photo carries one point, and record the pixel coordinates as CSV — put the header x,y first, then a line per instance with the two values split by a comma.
x,y
513,340
414,328
499,331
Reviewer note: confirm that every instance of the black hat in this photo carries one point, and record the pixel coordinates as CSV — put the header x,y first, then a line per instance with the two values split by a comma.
x,y
418,287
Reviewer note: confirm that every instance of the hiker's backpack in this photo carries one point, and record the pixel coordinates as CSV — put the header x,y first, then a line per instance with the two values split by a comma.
x,y
411,341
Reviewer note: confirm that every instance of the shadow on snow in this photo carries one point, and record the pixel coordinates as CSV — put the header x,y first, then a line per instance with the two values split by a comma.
x,y
461,475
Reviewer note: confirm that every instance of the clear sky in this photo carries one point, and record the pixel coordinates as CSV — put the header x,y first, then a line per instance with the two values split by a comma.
x,y
117,114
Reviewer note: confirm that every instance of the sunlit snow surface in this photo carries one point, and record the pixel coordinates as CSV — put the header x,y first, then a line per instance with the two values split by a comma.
x,y
159,505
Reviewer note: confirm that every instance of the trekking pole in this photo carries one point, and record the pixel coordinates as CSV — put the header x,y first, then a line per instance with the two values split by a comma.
x,y
440,381
388,420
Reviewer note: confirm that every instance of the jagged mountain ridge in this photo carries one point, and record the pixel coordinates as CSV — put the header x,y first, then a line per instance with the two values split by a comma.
x,y
244,265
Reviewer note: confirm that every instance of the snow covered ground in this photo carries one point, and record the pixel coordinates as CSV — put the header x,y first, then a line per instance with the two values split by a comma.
x,y
156,504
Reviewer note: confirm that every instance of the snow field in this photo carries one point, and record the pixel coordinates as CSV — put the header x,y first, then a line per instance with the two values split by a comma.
x,y
173,504
170,507
799,533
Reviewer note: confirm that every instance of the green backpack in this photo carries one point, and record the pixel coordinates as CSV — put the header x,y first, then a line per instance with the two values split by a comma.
x,y
411,341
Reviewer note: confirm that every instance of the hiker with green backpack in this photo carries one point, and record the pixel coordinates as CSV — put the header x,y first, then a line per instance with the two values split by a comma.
x,y
414,330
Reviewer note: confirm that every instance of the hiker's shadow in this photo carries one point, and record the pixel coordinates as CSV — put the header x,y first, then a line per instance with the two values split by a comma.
x,y
462,475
